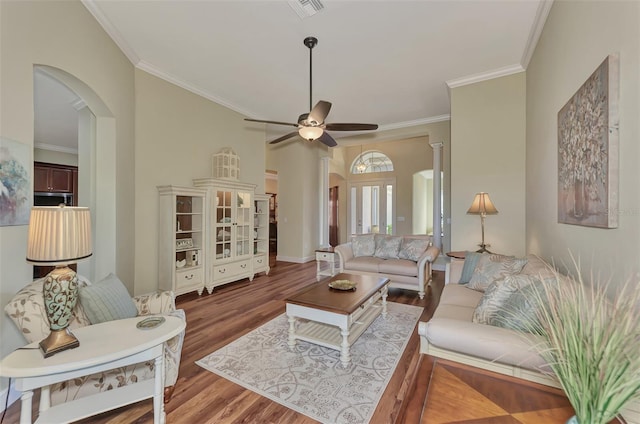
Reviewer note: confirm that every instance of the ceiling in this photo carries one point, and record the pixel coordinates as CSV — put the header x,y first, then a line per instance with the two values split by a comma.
x,y
385,62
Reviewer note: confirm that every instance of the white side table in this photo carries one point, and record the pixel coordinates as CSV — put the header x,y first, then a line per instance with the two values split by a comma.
x,y
325,263
103,347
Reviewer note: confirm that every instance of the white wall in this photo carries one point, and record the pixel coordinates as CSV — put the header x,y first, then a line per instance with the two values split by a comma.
x,y
577,37
488,154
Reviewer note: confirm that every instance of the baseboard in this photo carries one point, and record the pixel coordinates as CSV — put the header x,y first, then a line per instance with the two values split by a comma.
x,y
294,259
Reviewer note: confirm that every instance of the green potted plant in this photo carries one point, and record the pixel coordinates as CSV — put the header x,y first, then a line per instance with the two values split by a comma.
x,y
590,338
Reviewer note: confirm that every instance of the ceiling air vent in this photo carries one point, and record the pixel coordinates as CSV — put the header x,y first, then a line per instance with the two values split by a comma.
x,y
306,8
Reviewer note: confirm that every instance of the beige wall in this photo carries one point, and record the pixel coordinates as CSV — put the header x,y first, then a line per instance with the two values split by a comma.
x,y
488,154
65,36
577,37
50,156
177,132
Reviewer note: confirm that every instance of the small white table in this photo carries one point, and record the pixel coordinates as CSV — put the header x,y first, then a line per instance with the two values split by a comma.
x,y
329,257
102,347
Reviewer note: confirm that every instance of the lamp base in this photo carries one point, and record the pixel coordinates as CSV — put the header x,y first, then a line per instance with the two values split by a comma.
x,y
483,248
58,341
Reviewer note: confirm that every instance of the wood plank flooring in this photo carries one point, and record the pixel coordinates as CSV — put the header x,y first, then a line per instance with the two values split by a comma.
x,y
235,309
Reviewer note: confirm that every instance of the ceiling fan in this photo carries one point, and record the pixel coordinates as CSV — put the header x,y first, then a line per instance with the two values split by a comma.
x,y
311,126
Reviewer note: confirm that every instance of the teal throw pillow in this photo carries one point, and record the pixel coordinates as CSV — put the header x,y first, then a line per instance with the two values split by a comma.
x,y
470,262
107,300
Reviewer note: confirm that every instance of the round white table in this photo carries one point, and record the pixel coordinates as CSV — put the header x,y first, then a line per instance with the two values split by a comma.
x,y
102,347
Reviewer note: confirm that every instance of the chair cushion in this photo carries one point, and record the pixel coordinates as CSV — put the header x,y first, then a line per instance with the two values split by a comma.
x,y
107,300
363,263
398,267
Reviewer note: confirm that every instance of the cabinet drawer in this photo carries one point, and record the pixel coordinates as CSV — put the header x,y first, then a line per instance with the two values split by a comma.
x,y
230,269
260,261
324,256
189,277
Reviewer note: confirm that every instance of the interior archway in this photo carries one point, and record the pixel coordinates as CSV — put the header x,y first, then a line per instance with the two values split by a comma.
x,y
97,177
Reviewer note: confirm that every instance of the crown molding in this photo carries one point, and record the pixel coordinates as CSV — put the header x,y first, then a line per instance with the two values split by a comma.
x,y
54,148
153,70
544,7
485,76
111,30
414,123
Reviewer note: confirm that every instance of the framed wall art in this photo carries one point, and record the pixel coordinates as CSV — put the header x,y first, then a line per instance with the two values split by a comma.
x,y
15,185
588,151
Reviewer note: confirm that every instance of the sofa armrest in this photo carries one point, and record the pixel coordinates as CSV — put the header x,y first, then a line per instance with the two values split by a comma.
x,y
424,264
453,271
345,252
155,303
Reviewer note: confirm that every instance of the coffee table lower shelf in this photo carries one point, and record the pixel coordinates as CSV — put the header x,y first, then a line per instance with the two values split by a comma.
x,y
331,336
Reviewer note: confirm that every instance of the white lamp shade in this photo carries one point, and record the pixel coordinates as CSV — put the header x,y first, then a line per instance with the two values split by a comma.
x,y
59,235
310,133
482,205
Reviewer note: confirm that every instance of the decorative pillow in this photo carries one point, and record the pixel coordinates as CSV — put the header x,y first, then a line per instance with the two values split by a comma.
x,y
107,300
470,261
413,248
496,296
387,247
520,310
363,245
493,267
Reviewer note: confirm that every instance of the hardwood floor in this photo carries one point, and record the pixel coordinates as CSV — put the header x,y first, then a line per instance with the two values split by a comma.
x,y
235,309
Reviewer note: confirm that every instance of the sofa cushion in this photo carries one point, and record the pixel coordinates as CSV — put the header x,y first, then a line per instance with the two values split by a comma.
x,y
413,248
107,300
496,296
470,261
387,247
456,294
492,267
398,267
363,263
363,245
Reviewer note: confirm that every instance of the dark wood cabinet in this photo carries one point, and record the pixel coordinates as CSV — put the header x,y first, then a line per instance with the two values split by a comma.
x,y
54,178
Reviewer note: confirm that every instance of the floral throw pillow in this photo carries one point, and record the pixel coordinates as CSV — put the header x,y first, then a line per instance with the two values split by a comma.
x,y
387,247
363,245
412,248
497,295
493,267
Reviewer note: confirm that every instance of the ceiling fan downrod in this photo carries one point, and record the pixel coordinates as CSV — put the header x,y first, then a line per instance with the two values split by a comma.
x,y
310,42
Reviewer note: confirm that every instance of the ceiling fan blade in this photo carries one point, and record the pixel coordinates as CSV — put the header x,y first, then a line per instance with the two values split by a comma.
x,y
325,138
284,137
272,122
319,112
351,127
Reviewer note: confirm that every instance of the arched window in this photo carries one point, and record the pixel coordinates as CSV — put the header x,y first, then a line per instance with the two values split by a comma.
x,y
371,161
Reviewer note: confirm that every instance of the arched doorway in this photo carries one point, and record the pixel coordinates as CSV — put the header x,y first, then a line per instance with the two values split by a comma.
x,y
96,171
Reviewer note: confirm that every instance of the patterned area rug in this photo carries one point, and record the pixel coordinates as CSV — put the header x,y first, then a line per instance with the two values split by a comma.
x,y
310,379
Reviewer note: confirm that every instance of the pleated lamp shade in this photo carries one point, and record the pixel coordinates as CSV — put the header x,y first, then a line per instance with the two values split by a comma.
x,y
482,205
59,235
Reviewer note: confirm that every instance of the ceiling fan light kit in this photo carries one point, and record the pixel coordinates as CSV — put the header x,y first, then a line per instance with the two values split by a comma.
x,y
311,126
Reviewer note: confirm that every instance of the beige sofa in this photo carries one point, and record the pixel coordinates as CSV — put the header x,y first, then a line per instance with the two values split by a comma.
x,y
409,267
451,334
28,313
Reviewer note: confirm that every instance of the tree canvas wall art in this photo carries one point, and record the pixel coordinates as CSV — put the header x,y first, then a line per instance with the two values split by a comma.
x,y
588,151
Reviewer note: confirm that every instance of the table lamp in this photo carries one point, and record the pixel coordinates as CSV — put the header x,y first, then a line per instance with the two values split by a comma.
x,y
60,236
482,206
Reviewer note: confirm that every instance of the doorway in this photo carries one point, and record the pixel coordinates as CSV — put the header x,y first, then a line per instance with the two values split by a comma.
x,y
372,206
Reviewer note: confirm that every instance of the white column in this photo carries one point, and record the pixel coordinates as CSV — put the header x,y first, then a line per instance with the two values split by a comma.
x,y
324,202
437,194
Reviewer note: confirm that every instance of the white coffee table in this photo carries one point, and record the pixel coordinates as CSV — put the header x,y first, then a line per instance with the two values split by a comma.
x,y
333,318
103,347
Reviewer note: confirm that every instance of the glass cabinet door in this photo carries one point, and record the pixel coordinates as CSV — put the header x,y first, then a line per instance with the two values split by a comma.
x,y
244,218
223,225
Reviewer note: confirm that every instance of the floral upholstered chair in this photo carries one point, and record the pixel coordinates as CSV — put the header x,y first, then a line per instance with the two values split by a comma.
x,y
28,312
